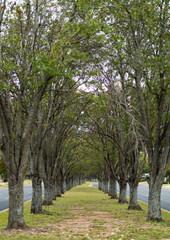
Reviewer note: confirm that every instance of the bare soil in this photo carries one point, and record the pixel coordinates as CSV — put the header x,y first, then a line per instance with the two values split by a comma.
x,y
85,224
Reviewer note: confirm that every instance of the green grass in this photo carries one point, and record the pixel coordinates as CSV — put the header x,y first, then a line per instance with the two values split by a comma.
x,y
166,185
86,213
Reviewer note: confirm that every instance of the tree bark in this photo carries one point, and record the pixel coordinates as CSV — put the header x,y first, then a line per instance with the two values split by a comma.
x,y
63,185
48,193
113,188
122,192
58,189
133,204
36,205
16,207
67,184
53,190
100,185
106,190
154,209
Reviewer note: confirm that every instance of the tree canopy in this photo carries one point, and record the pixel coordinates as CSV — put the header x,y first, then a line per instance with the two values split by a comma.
x,y
84,91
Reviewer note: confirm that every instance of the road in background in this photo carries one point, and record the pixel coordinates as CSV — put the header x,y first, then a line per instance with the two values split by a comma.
x,y
143,193
4,197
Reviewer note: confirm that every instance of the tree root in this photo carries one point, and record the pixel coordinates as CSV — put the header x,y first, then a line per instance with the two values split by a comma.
x,y
58,196
135,207
113,197
34,211
122,201
47,203
21,226
154,219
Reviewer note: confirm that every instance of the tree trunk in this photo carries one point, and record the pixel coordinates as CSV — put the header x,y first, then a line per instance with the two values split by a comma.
x,y
36,205
53,189
109,187
68,183
158,162
48,195
122,192
113,188
154,209
133,204
74,182
106,190
16,206
63,185
99,185
58,189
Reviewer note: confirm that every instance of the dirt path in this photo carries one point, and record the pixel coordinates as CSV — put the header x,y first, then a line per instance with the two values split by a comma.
x,y
100,223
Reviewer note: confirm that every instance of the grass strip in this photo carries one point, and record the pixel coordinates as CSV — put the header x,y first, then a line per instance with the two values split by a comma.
x,y
83,213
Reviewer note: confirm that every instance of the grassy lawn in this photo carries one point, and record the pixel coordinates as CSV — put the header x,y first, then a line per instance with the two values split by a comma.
x,y
86,213
166,186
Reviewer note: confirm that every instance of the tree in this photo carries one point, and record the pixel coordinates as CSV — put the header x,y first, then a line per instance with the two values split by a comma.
x,y
35,51
20,95
142,33
3,171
